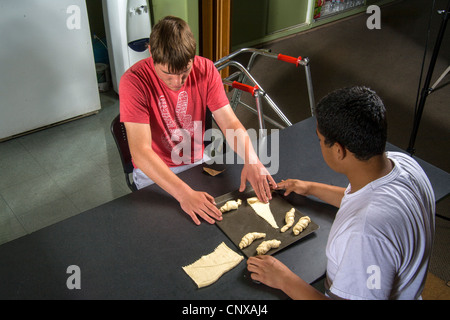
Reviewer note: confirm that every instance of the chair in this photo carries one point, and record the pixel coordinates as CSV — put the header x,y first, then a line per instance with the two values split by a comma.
x,y
120,137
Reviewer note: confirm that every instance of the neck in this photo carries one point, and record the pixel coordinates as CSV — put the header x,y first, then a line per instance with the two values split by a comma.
x,y
360,173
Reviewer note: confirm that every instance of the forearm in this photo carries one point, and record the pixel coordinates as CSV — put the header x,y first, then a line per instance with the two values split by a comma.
x,y
325,192
297,289
153,166
275,274
235,134
239,140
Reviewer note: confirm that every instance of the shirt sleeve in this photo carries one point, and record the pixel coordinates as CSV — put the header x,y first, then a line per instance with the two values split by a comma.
x,y
216,96
132,99
366,271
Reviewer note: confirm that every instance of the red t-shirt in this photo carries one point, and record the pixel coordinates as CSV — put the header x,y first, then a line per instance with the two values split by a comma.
x,y
172,115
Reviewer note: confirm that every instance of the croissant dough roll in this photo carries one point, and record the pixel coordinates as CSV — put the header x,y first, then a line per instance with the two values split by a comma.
x,y
249,238
230,205
265,246
289,219
301,224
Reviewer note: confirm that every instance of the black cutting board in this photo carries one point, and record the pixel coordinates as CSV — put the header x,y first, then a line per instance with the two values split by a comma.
x,y
237,223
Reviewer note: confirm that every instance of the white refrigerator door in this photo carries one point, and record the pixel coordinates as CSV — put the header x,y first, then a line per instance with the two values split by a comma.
x,y
47,68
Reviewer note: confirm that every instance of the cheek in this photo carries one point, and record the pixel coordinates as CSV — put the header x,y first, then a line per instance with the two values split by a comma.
x,y
326,155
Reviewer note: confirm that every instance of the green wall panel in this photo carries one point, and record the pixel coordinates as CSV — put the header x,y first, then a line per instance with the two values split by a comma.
x,y
185,9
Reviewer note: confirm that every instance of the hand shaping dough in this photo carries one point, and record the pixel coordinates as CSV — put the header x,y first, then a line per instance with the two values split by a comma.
x,y
262,210
230,205
289,219
301,225
265,246
208,269
249,238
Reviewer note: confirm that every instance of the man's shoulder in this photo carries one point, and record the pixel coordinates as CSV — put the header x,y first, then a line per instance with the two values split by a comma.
x,y
141,66
137,73
202,63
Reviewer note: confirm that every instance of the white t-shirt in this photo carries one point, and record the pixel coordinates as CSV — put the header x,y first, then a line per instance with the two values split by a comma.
x,y
380,243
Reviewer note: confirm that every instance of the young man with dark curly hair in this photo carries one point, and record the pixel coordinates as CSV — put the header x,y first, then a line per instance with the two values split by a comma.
x,y
380,242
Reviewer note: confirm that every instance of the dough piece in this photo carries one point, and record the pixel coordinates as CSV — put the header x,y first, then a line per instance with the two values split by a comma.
x,y
301,225
289,219
212,172
230,205
265,246
249,238
209,268
263,210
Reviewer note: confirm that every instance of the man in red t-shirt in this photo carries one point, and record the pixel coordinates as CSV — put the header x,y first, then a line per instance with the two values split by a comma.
x,y
163,101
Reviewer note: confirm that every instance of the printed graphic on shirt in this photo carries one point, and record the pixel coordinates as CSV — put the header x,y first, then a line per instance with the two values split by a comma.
x,y
181,129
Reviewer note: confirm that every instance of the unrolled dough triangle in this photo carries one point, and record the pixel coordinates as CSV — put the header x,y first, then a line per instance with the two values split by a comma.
x,y
263,210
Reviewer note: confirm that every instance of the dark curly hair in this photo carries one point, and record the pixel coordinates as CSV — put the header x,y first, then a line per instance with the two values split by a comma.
x,y
355,118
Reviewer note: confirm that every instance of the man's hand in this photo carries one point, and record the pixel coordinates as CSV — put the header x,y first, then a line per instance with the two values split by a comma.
x,y
273,273
260,179
328,193
253,171
198,203
293,185
270,271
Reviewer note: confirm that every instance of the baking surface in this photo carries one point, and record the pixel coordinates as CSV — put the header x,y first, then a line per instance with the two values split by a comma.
x,y
237,223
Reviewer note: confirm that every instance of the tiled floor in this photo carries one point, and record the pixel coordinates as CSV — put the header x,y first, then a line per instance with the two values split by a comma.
x,y
55,173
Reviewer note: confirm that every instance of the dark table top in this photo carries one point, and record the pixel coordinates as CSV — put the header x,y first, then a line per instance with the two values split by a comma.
x,y
134,247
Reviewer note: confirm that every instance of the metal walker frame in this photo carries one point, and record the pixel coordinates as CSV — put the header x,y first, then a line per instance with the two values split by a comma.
x,y
244,75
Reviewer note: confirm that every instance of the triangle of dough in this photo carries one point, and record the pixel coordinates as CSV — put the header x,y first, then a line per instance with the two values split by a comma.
x,y
263,210
209,268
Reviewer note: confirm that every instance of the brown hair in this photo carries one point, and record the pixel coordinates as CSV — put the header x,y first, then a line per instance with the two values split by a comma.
x,y
172,43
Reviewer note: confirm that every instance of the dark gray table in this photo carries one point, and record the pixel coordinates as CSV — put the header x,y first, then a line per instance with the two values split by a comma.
x,y
134,247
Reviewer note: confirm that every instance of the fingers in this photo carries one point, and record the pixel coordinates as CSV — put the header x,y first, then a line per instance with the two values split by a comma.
x,y
201,204
260,179
194,218
205,216
256,265
281,185
267,190
208,211
260,191
210,198
243,183
286,185
211,210
200,213
272,182
261,187
252,265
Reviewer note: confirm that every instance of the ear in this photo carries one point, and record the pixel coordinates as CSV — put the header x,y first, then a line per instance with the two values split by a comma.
x,y
339,151
149,50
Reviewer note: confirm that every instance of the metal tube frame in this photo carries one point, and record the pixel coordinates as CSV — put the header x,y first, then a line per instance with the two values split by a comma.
x,y
244,74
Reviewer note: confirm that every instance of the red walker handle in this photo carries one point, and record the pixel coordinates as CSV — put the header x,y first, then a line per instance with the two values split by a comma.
x,y
244,87
289,59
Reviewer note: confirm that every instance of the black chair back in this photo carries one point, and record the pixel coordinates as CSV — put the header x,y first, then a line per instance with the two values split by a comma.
x,y
120,137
